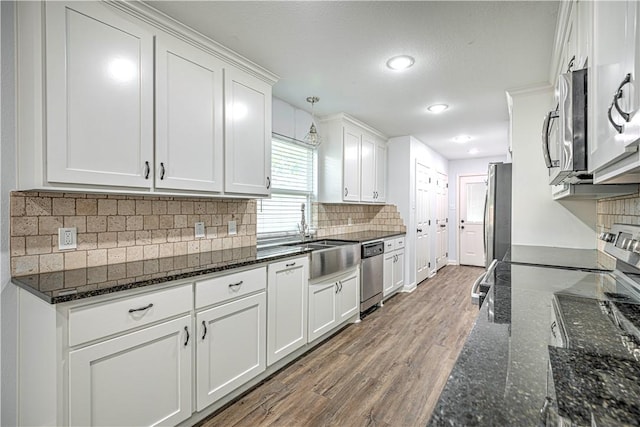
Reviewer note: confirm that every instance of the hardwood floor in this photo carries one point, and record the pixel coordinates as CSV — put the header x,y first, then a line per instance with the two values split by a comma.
x,y
387,370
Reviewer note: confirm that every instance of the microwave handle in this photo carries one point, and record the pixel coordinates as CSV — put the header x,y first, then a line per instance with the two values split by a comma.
x,y
545,138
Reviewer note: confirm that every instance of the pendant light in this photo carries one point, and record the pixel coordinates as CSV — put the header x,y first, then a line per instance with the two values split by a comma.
x,y
312,136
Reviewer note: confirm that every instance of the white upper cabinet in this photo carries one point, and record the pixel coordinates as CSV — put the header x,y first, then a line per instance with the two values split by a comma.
x,y
613,89
189,102
356,152
101,109
99,97
351,165
248,134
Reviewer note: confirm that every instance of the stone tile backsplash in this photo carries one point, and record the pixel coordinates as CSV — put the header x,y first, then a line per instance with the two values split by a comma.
x,y
620,209
338,218
116,228
113,229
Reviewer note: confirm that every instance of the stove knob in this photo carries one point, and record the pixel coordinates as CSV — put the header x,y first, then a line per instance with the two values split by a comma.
x,y
632,244
636,247
636,353
609,237
602,235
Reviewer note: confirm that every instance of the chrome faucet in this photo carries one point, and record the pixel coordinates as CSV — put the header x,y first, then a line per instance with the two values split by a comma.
x,y
303,227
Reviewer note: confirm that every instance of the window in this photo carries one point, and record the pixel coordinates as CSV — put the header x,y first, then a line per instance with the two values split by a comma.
x,y
292,167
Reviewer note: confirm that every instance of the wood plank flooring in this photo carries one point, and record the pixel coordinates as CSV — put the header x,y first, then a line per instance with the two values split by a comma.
x,y
387,370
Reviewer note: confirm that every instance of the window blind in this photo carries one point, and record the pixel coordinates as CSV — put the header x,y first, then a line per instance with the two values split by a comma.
x,y
291,185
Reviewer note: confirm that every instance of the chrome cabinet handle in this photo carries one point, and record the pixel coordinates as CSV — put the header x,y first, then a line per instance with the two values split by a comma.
x,y
146,307
346,191
204,325
186,341
290,265
336,285
546,126
147,169
161,170
419,230
553,329
616,126
340,283
233,285
618,95
268,182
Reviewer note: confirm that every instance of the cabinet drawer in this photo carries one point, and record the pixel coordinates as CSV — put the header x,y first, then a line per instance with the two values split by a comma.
x,y
399,242
103,319
389,245
220,289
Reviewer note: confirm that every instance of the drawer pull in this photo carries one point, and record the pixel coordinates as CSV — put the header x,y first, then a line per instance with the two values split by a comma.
x,y
147,307
290,265
187,332
233,285
204,325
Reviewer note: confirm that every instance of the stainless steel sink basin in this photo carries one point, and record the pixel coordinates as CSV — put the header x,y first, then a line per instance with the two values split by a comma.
x,y
331,256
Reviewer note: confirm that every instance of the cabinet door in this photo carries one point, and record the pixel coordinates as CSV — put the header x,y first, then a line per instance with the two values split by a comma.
x,y
614,52
388,278
322,308
286,307
188,117
99,75
231,347
142,378
351,164
367,169
247,134
349,297
398,270
381,172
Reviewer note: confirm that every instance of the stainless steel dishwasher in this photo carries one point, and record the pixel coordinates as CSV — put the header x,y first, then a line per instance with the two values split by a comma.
x,y
372,274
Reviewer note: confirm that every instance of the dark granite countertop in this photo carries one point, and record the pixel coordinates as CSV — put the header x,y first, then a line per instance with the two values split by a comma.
x,y
365,236
556,257
69,285
549,346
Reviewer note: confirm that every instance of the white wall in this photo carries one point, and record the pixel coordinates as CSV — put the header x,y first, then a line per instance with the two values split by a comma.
x,y
8,299
536,218
402,154
458,168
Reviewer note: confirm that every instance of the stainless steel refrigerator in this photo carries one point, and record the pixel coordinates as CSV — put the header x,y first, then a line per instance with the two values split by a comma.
x,y
497,212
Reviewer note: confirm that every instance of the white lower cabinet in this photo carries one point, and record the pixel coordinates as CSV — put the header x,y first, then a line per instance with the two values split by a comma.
x,y
231,347
393,276
332,301
287,285
141,378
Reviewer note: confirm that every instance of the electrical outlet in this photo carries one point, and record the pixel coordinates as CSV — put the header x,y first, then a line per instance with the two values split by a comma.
x,y
232,228
67,238
199,229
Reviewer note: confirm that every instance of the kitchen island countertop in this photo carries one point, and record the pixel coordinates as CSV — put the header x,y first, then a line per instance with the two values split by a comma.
x,y
547,347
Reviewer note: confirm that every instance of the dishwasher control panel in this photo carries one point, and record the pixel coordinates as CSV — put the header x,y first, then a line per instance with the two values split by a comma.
x,y
372,249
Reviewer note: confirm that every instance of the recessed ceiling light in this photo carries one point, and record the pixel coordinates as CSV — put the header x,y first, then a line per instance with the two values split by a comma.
x,y
461,139
473,151
401,62
437,108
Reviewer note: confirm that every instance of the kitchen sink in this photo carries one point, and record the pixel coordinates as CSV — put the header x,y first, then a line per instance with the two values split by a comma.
x,y
330,256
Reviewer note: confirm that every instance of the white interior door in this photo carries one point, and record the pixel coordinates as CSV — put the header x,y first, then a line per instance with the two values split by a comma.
x,y
442,222
472,191
422,222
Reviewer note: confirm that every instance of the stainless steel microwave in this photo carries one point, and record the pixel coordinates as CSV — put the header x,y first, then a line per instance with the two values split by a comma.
x,y
564,132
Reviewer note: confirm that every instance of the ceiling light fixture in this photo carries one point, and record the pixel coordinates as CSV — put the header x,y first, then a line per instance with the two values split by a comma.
x,y
312,138
437,108
401,62
473,151
461,139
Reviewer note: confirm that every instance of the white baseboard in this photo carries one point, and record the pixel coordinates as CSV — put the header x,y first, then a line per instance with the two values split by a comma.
x,y
409,288
452,262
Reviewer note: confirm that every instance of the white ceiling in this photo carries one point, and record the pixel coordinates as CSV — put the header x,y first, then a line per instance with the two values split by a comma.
x,y
466,55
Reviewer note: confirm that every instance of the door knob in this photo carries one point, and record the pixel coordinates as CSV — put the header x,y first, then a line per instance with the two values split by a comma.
x,y
419,230
462,226
462,221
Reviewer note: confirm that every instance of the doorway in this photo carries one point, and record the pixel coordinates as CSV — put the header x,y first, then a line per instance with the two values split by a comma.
x,y
423,223
472,192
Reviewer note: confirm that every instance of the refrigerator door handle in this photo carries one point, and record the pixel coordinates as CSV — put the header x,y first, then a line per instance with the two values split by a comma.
x,y
475,295
484,224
